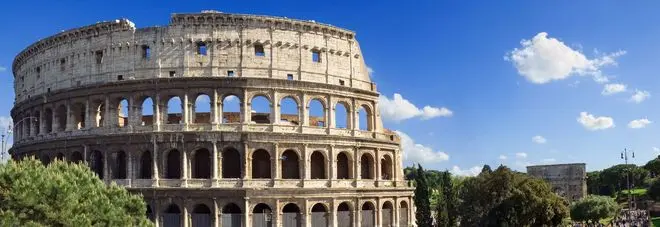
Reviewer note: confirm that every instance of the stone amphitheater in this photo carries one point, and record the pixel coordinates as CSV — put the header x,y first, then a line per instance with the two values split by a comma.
x,y
167,112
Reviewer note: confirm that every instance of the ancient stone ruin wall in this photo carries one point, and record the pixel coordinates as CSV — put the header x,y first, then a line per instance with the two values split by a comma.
x,y
567,180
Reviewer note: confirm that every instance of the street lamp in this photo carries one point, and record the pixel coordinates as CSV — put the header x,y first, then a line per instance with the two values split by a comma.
x,y
624,156
7,132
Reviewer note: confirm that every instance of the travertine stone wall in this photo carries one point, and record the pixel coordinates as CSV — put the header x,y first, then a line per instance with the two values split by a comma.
x,y
567,180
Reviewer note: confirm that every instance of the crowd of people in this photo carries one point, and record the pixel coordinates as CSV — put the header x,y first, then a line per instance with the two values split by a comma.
x,y
632,218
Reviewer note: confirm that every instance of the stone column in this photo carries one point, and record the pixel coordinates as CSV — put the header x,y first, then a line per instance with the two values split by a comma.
x,y
333,212
246,162
357,164
275,105
246,114
106,166
332,174
42,121
307,217
185,214
216,214
214,107
357,214
106,113
379,215
246,212
88,115
156,211
157,115
130,165
185,110
330,111
395,219
69,119
307,174
34,123
184,165
303,111
214,162
377,172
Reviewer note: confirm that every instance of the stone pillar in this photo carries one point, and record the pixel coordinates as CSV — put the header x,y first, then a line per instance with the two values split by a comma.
x,y
395,168
379,215
276,165
307,172
154,163
129,165
275,105
42,121
107,115
246,114
357,164
156,212
332,162
216,214
157,115
333,212
303,111
88,115
214,107
395,206
214,162
246,162
34,123
185,110
185,214
357,214
106,166
184,165
330,110
377,172
246,212
307,216
69,119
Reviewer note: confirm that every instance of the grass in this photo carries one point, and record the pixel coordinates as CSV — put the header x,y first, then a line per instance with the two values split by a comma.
x,y
655,221
635,192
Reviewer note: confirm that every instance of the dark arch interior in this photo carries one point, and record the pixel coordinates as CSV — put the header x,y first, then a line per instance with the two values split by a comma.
x,y
291,208
343,207
119,172
201,209
290,165
97,163
76,157
260,164
404,204
60,156
231,209
202,164
231,163
318,165
318,208
366,163
343,167
173,165
261,208
387,205
367,206
145,165
173,209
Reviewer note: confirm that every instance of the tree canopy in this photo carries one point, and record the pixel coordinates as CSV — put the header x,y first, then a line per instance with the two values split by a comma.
x,y
422,202
613,179
64,194
593,208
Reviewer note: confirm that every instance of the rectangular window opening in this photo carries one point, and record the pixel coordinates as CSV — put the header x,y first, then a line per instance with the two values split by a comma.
x,y
62,64
48,90
341,82
120,77
201,48
99,57
320,124
38,72
259,50
289,76
22,78
146,52
172,73
316,56
230,73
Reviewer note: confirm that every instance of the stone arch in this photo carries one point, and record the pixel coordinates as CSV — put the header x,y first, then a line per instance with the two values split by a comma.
x,y
231,163
79,115
172,216
201,165
367,166
231,109
262,215
119,167
344,166
201,215
232,215
59,156
76,157
318,165
319,215
202,109
123,112
342,119
291,215
403,213
37,117
387,214
61,115
289,111
149,213
261,164
344,215
290,165
317,114
173,164
98,108
386,167
97,163
146,162
367,211
147,111
260,109
48,115
174,110
365,118
45,160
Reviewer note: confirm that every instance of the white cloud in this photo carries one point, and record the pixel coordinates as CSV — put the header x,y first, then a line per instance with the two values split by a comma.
x,y
548,160
3,69
521,155
398,109
656,151
640,96
418,153
639,123
543,59
502,157
5,122
610,89
539,139
592,123
370,71
475,170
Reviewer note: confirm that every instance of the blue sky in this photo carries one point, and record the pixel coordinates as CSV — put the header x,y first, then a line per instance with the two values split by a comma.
x,y
464,57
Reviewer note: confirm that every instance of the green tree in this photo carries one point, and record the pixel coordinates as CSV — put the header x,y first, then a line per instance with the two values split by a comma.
x,y
593,208
63,194
654,190
486,169
653,166
450,198
422,202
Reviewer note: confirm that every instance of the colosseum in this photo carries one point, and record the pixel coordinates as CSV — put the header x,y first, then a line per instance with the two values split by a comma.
x,y
217,120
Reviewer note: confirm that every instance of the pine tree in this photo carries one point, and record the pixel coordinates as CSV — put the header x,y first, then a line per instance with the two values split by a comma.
x,y
450,197
422,202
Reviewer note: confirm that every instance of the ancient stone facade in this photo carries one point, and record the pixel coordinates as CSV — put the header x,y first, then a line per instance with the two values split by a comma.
x,y
567,180
127,101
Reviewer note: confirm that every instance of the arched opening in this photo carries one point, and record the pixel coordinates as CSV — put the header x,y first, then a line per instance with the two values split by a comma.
x,y
146,168
201,166
290,165
341,116
173,162
76,157
366,166
99,114
79,114
48,115
319,215
150,213
172,216
262,216
45,160
97,163
231,163
261,164
386,168
147,111
291,216
59,156
232,215
344,215
289,111
122,113
60,114
403,213
317,113
318,166
260,110
119,167
174,113
365,117
202,114
368,214
343,166
387,214
231,109
37,122
201,216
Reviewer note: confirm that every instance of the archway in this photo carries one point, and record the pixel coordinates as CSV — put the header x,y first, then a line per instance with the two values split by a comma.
x,y
260,107
343,166
76,157
201,166
123,112
147,111
231,109
146,169
97,163
366,166
368,215
60,114
201,216
344,215
319,215
172,216
232,216
341,116
99,113
231,163
317,113
48,115
387,215
261,164
290,165
79,114
174,111
291,216
45,160
150,213
37,117
386,168
318,166
173,162
365,118
262,216
202,110
289,111
59,156
119,167
403,213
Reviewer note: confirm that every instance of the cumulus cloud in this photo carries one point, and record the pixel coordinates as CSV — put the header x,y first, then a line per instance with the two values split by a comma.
x,y
502,157
593,123
475,170
521,155
548,160
543,59
640,96
539,139
656,151
418,153
398,109
610,89
639,123
2,69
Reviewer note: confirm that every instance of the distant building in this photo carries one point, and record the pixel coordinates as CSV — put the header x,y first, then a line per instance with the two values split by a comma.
x,y
567,180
